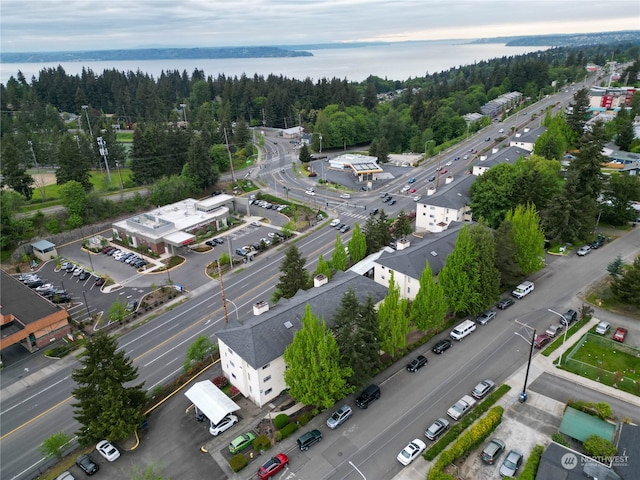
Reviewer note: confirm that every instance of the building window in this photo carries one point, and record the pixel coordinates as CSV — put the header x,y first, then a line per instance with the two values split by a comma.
x,y
268,391
382,277
266,366
267,378
231,351
233,364
408,289
432,208
233,375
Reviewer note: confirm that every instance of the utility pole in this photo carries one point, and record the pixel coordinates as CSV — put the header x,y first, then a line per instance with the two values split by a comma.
x,y
224,300
226,141
104,152
86,112
40,184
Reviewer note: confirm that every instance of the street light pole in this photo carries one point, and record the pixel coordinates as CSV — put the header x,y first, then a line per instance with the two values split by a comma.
x,y
523,395
120,175
564,339
86,112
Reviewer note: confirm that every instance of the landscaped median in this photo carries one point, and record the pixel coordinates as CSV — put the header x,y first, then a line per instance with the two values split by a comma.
x,y
456,431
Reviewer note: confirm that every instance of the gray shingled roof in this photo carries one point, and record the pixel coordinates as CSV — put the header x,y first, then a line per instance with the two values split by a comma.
x,y
455,195
411,261
531,136
263,338
504,155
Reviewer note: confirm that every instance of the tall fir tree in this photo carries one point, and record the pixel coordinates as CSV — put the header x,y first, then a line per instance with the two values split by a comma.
x,y
105,407
71,165
294,276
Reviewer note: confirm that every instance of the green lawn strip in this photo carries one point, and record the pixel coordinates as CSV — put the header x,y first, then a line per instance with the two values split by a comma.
x,y
455,431
553,346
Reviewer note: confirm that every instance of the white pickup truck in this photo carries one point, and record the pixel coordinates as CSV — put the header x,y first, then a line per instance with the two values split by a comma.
x,y
461,407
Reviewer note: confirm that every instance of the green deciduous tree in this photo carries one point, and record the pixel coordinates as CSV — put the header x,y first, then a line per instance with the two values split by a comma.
x,y
393,321
293,276
74,198
355,329
488,288
528,238
201,348
105,407
172,189
117,311
323,267
314,374
52,446
627,287
339,259
429,307
357,244
459,277
492,193
619,193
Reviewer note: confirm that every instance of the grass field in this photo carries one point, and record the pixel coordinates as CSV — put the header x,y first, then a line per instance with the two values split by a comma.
x,y
98,179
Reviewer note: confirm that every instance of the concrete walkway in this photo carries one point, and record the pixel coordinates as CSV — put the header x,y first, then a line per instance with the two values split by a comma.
x,y
539,365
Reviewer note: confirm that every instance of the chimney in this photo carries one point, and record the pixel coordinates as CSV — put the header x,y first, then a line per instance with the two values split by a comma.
x,y
526,129
448,180
494,150
431,191
320,280
402,244
260,307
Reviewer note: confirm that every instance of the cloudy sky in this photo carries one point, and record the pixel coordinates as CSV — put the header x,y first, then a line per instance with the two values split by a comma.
x,y
62,25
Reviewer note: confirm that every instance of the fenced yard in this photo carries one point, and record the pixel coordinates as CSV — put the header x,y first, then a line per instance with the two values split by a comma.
x,y
606,361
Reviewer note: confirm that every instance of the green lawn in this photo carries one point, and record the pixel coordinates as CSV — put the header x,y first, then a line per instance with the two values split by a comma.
x,y
98,179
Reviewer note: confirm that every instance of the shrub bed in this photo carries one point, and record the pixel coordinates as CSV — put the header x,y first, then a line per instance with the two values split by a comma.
x,y
281,421
455,431
238,462
531,467
288,430
261,442
468,441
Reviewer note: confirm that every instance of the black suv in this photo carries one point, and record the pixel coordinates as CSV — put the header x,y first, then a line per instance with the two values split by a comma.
x,y
370,394
569,317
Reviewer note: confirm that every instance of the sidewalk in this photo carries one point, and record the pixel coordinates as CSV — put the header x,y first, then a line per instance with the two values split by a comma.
x,y
539,365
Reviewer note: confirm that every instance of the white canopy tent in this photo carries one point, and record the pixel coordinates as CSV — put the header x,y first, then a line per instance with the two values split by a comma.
x,y
211,401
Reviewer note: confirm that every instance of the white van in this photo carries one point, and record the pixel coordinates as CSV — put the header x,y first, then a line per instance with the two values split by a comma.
x,y
523,289
462,330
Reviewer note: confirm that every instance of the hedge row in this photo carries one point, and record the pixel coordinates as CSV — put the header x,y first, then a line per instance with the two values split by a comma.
x,y
238,462
467,442
455,431
531,467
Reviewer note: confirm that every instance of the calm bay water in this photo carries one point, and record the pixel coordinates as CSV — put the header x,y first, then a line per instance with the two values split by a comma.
x,y
393,61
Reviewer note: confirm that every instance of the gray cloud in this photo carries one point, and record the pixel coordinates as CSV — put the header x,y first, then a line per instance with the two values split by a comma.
x,y
54,25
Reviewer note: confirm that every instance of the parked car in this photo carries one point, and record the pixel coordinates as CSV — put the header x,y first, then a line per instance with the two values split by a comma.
x,y
308,439
223,425
492,451
417,198
541,340
584,250
603,328
437,428
272,466
240,443
70,268
417,363
313,174
461,407
131,305
65,476
84,275
483,388
511,464
45,287
219,240
108,250
35,283
411,451
99,282
107,450
486,317
505,303
368,396
620,335
78,271
554,330
442,345
210,243
569,317
339,417
86,463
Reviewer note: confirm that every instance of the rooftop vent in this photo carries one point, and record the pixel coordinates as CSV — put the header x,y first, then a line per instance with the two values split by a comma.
x,y
433,253
288,324
320,280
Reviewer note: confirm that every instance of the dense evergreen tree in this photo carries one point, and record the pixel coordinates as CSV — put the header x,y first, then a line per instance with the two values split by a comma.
x,y
488,287
619,194
305,156
625,129
199,166
627,287
71,165
14,169
577,118
459,276
105,407
393,321
505,255
314,374
293,276
356,340
339,259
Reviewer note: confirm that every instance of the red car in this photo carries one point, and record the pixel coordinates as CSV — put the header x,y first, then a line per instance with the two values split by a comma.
x,y
443,172
413,190
541,340
273,466
313,174
620,334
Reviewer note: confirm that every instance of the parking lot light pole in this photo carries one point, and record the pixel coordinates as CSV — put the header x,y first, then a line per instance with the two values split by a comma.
x,y
90,261
564,339
86,304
